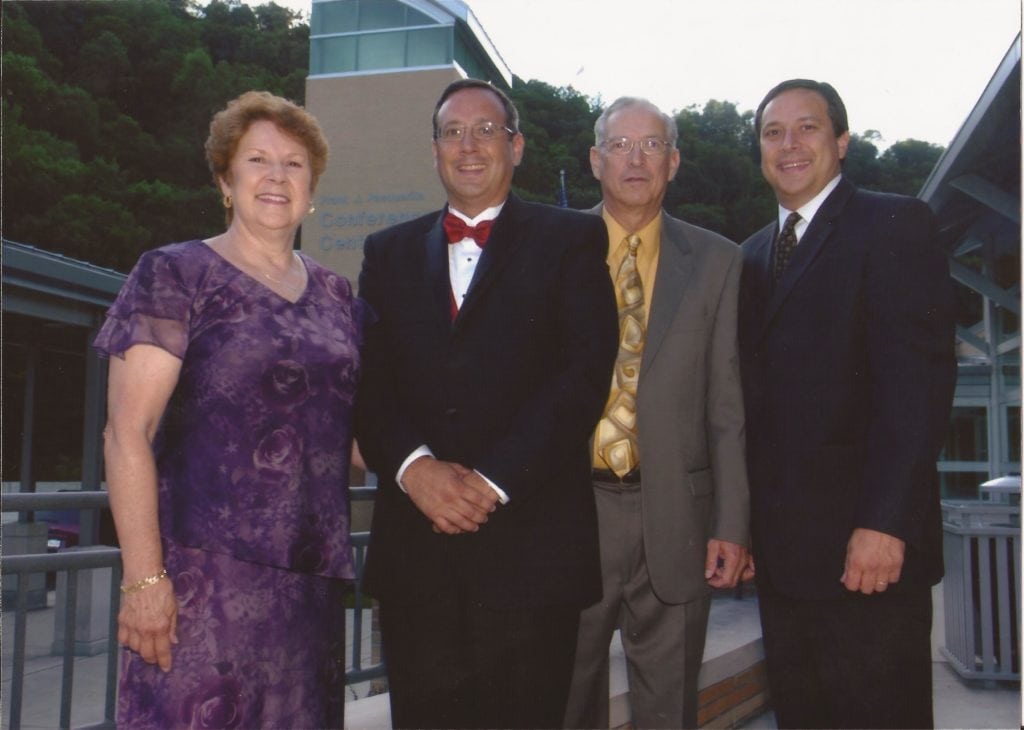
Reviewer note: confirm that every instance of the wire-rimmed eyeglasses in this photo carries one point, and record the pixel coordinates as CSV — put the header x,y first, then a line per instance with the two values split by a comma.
x,y
482,132
624,145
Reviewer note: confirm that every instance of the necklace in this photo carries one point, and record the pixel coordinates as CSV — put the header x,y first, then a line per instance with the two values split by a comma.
x,y
228,248
282,282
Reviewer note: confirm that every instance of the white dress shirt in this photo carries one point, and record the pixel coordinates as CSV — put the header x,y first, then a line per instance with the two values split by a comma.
x,y
808,210
463,257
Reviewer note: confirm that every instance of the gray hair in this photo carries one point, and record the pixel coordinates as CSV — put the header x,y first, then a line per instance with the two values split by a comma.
x,y
628,102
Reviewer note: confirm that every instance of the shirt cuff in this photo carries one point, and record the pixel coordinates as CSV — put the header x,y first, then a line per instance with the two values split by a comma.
x,y
417,453
425,451
502,497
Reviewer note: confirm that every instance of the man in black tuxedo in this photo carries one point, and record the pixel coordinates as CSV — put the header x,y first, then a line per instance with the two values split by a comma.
x,y
846,346
484,377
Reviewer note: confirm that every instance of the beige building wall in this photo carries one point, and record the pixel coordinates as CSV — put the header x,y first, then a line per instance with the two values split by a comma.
x,y
381,169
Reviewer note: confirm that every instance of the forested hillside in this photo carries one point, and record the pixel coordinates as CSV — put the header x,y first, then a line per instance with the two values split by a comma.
x,y
106,105
105,111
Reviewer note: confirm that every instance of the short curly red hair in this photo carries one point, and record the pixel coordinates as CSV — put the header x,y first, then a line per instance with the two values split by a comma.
x,y
231,123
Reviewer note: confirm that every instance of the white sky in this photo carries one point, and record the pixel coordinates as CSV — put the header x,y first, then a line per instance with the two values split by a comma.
x,y
906,68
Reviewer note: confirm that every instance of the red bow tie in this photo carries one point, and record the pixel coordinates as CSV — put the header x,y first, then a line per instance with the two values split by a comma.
x,y
457,229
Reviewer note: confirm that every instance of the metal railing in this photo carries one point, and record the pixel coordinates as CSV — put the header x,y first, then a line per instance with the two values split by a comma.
x,y
359,542
71,562
982,547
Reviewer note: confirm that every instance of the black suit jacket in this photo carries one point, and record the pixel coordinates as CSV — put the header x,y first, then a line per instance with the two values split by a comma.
x,y
513,388
848,372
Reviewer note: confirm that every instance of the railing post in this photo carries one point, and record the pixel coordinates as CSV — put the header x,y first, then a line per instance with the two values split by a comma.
x,y
67,684
18,658
113,648
92,442
82,584
28,417
92,608
25,538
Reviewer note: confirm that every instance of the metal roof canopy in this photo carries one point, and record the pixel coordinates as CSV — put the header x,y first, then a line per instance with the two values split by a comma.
x,y
49,286
974,188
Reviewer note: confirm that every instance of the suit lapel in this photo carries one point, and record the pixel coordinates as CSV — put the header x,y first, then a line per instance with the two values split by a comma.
x,y
759,260
675,267
811,244
501,244
437,273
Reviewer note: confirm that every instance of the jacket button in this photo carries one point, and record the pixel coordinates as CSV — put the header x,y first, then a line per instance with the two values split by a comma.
x,y
450,412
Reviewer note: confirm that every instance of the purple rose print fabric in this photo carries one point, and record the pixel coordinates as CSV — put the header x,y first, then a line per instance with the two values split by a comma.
x,y
253,459
258,647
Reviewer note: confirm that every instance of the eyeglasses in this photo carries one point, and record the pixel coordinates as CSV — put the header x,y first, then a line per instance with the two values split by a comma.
x,y
482,132
624,145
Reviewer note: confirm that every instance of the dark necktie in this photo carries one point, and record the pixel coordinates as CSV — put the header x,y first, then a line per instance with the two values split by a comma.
x,y
784,246
457,229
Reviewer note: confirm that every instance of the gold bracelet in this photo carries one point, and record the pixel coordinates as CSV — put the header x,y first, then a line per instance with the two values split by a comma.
x,y
144,583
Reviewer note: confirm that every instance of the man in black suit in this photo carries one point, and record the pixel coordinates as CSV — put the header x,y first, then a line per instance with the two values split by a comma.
x,y
846,346
484,376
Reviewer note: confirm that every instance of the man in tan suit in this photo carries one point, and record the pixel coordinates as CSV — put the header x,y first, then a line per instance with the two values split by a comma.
x,y
669,468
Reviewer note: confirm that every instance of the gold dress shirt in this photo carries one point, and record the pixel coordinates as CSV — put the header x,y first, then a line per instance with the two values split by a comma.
x,y
647,266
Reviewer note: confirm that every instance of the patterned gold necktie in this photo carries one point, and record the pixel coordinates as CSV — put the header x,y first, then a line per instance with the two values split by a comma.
x,y
616,433
784,246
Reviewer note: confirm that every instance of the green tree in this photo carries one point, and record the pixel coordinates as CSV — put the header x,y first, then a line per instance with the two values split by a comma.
x,y
558,124
718,185
861,163
91,228
907,164
106,106
105,109
38,168
103,64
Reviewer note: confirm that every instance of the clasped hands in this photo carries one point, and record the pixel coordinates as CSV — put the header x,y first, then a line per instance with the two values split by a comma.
x,y
454,498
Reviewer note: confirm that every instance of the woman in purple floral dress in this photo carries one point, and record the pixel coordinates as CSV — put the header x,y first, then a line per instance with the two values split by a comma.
x,y
232,378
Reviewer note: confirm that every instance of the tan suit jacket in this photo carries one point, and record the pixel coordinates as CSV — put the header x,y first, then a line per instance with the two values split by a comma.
x,y
690,410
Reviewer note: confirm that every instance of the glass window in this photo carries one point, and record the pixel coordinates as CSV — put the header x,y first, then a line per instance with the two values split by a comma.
x,y
381,50
332,55
337,17
468,60
961,484
379,14
967,439
430,47
1009,324
1013,432
969,306
1011,370
415,17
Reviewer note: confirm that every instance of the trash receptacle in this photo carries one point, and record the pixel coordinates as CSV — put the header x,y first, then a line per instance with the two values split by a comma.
x,y
981,544
1001,490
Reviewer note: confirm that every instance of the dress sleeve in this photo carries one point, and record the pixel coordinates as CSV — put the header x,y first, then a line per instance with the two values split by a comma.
x,y
154,307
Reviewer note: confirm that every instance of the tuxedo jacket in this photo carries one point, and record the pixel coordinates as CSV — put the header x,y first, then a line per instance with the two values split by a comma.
x,y
690,410
848,374
513,388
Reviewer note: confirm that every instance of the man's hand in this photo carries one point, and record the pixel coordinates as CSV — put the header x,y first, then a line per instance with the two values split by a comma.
x,y
873,561
749,570
448,495
724,564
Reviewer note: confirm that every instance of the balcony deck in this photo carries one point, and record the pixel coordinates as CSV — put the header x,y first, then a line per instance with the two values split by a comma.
x,y
733,644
